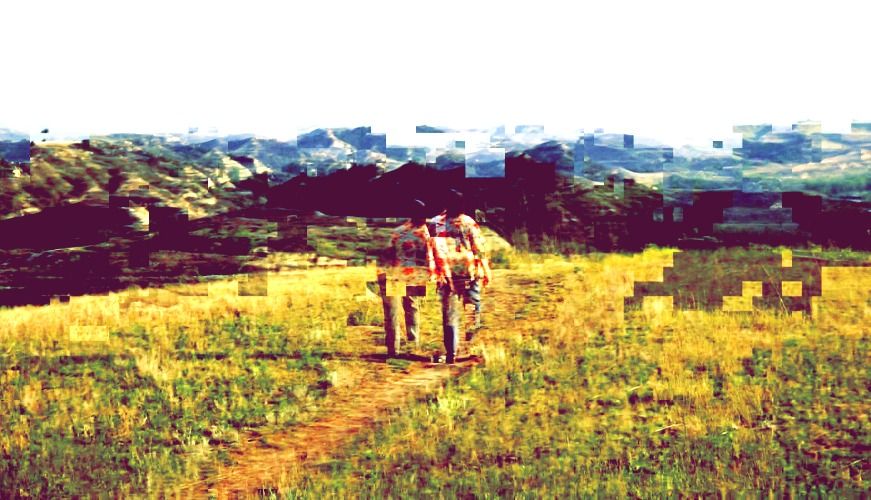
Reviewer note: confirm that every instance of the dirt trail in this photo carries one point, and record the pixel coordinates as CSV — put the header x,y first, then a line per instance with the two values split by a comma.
x,y
260,460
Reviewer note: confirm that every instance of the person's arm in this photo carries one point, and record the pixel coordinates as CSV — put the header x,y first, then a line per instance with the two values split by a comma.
x,y
430,256
480,250
440,261
388,253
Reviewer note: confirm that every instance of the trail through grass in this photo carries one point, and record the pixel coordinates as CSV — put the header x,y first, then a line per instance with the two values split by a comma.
x,y
195,388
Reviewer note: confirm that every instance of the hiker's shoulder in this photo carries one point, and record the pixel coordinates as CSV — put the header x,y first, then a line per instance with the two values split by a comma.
x,y
467,221
402,228
398,232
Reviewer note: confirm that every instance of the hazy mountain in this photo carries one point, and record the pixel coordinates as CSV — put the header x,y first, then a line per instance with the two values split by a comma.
x,y
363,138
450,160
17,151
7,135
427,129
320,138
406,154
272,153
144,168
171,166
554,152
830,164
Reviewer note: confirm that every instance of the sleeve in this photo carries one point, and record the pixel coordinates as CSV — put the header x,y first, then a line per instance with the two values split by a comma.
x,y
481,251
440,261
430,255
476,237
390,254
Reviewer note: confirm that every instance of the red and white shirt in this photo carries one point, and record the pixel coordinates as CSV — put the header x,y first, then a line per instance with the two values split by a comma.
x,y
459,248
411,255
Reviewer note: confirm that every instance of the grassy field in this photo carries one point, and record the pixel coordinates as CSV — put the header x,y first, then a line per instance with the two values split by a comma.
x,y
136,392
131,391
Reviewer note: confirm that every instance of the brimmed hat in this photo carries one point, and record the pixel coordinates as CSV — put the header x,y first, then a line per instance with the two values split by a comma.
x,y
417,209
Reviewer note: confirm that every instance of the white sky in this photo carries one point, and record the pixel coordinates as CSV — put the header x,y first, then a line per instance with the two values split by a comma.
x,y
678,71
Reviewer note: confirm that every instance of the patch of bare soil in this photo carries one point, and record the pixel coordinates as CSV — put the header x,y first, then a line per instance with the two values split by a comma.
x,y
261,459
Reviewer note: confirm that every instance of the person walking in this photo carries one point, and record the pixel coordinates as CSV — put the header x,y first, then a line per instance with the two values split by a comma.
x,y
408,264
462,269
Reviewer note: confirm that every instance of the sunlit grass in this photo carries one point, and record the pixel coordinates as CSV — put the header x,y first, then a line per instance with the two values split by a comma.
x,y
180,373
583,403
572,399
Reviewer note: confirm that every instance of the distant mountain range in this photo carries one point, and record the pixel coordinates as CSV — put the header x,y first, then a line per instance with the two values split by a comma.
x,y
204,174
209,204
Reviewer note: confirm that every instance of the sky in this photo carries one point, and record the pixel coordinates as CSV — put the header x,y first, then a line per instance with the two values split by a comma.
x,y
682,72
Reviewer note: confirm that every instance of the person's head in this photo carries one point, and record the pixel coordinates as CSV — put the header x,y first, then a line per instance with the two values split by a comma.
x,y
454,203
417,212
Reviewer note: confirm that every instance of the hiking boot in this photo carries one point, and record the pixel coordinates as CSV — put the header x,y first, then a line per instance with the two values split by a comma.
x,y
471,332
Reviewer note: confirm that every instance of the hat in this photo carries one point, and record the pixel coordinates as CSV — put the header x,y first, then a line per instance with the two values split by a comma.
x,y
454,201
417,209
454,196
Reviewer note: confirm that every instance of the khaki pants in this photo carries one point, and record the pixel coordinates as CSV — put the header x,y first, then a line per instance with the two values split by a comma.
x,y
410,305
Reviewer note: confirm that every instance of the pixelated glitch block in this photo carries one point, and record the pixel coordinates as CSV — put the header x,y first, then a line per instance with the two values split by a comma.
x,y
782,281
13,171
596,156
220,289
398,289
88,333
652,268
751,289
654,306
846,282
152,296
485,163
192,291
742,303
846,295
254,285
60,299
395,288
110,304
15,157
292,236
402,289
791,289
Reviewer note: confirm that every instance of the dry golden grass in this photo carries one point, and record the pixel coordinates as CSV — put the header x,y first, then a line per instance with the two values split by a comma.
x,y
580,402
572,398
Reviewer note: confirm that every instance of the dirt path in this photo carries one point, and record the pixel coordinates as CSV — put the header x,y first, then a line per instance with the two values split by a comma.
x,y
260,460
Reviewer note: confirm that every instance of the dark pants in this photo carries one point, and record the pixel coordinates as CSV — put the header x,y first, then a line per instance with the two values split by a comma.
x,y
473,296
453,300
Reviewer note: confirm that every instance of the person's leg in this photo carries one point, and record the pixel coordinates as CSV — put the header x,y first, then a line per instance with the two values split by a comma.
x,y
473,292
411,307
450,321
391,319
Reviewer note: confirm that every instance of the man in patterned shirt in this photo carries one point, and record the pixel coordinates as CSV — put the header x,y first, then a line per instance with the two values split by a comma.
x,y
462,268
408,265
